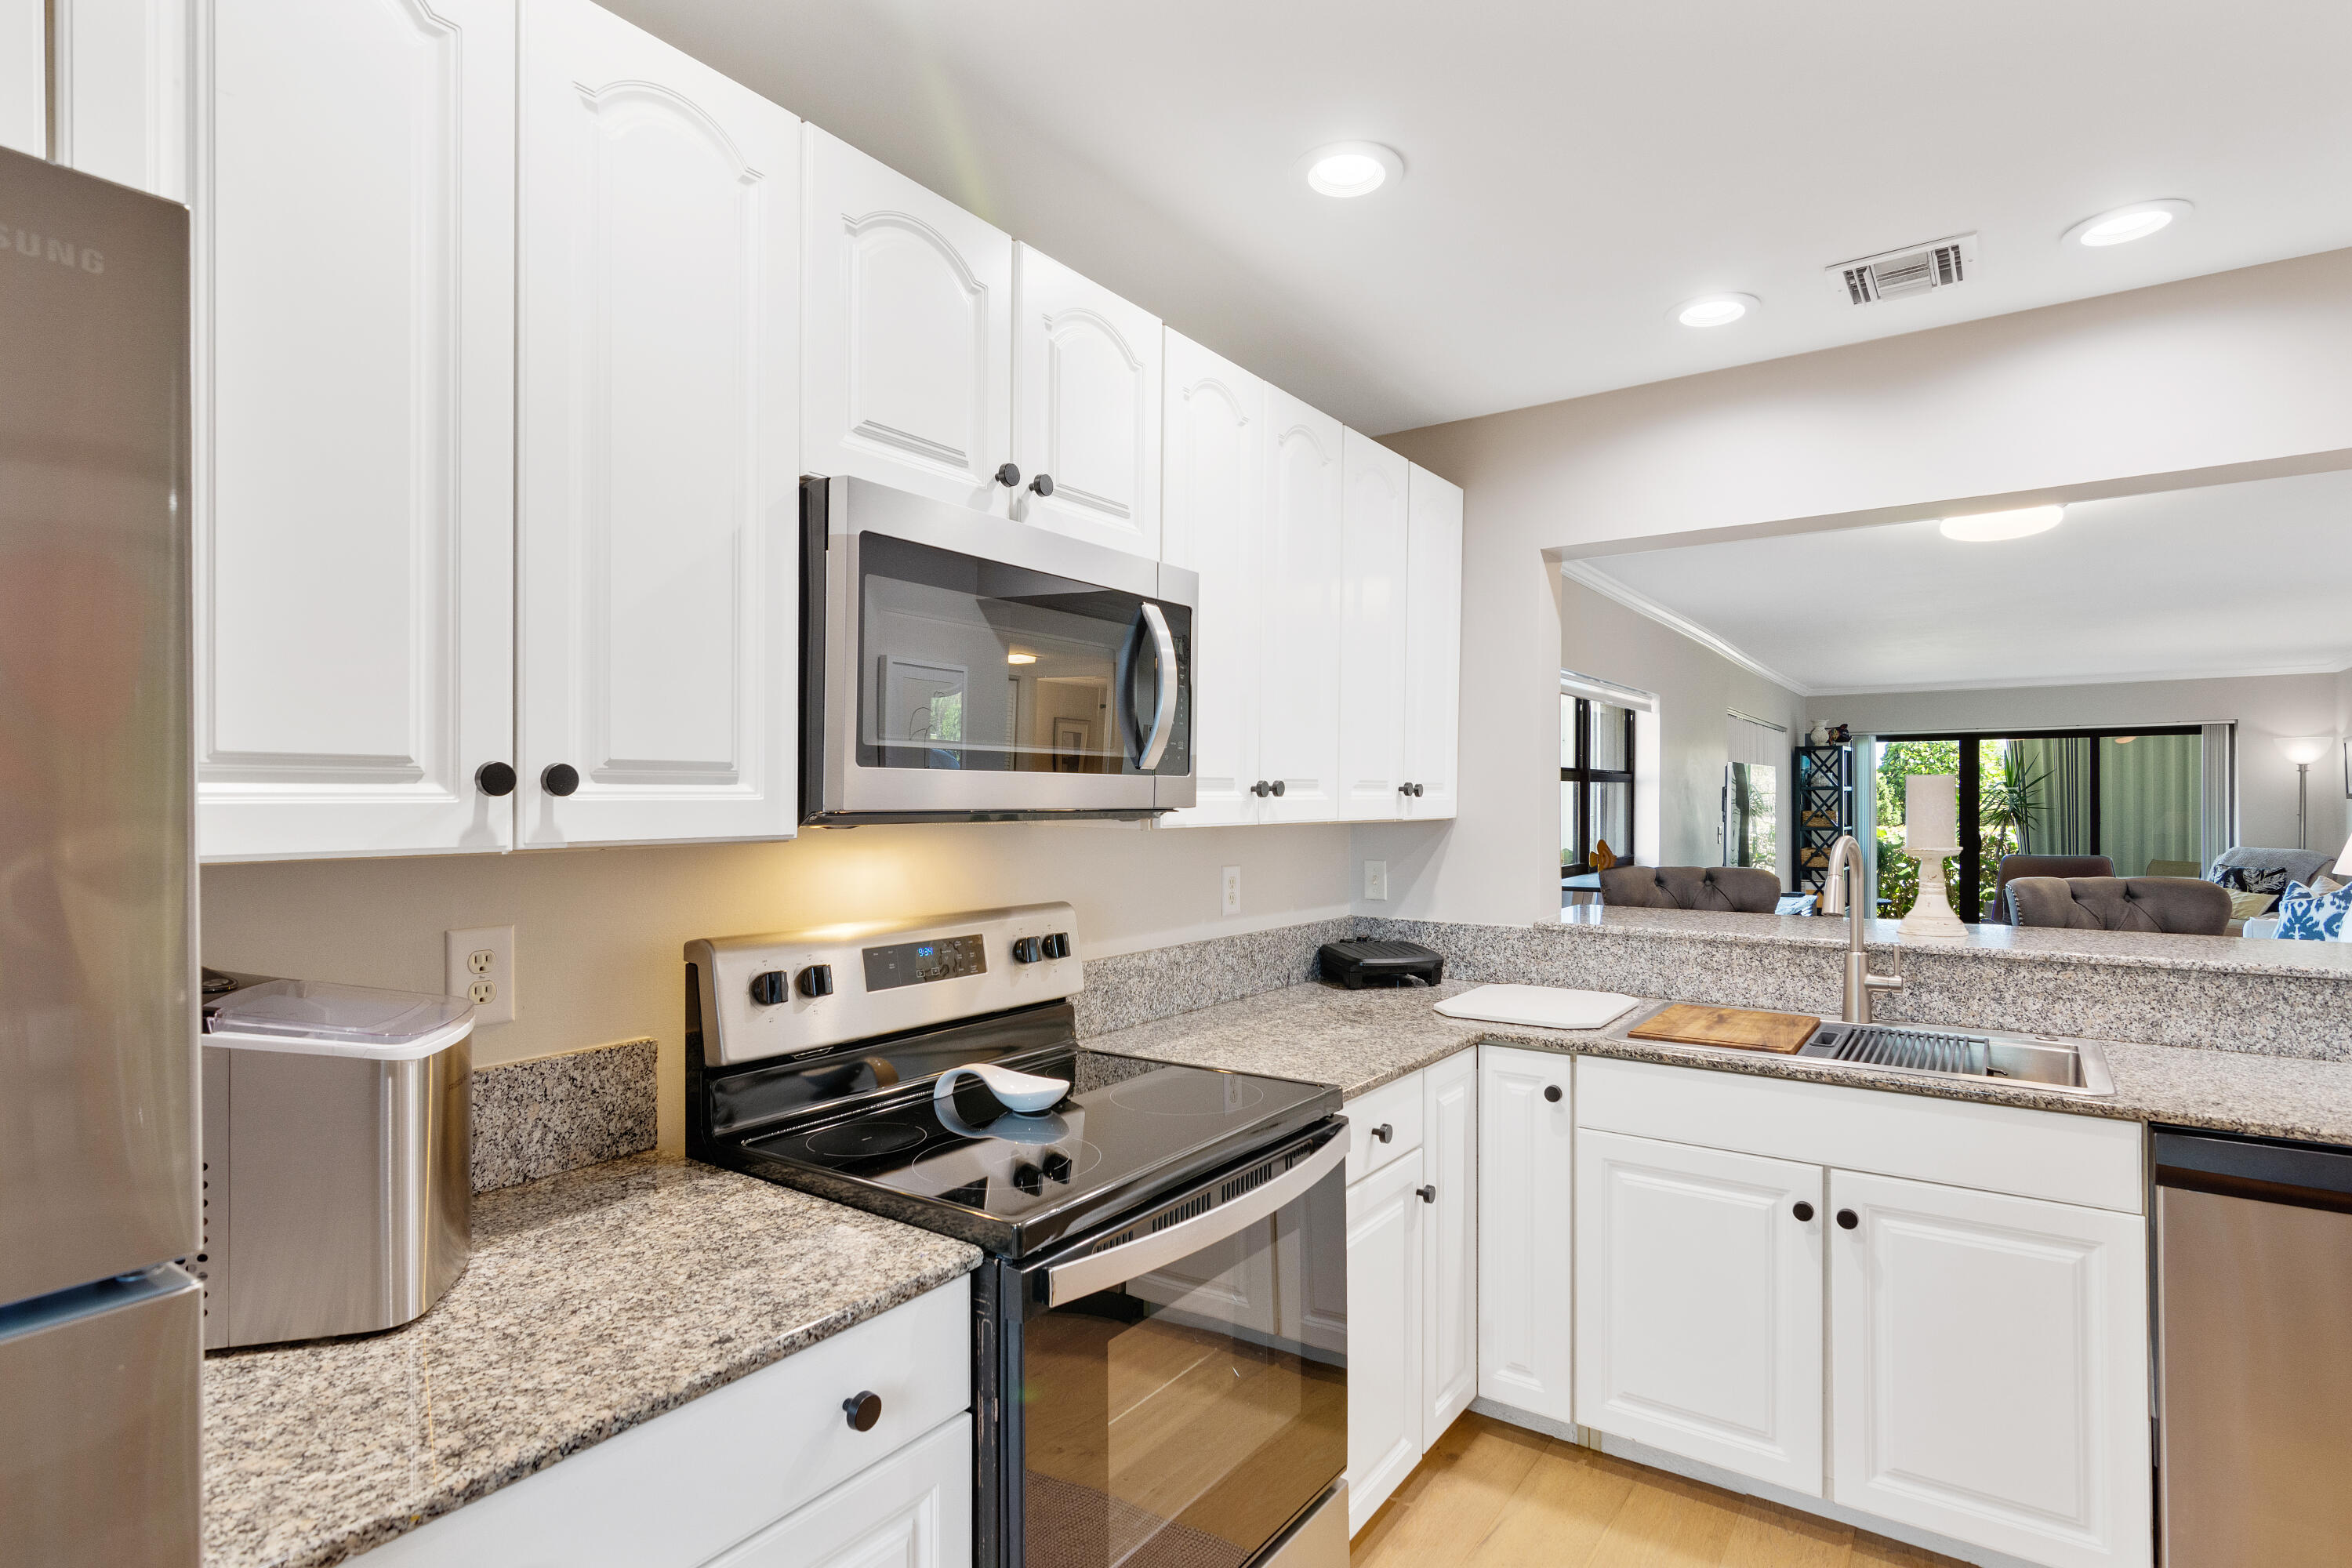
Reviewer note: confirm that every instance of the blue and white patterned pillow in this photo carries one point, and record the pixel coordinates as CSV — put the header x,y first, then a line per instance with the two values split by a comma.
x,y
1796,903
2307,916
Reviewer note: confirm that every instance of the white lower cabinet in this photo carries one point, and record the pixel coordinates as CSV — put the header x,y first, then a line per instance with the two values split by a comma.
x,y
1991,1368
911,1510
1699,1304
724,1475
1385,1220
1524,1260
1449,1359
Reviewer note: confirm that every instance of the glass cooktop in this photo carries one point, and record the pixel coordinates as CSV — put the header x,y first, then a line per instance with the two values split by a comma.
x,y
1128,1131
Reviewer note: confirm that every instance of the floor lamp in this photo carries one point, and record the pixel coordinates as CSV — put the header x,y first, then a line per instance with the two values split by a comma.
x,y
2303,750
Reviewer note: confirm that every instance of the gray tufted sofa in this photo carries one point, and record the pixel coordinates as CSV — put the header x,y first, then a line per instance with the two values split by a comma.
x,y
1749,890
2182,905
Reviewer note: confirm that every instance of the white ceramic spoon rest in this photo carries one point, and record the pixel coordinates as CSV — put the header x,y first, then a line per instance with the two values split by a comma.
x,y
1021,1091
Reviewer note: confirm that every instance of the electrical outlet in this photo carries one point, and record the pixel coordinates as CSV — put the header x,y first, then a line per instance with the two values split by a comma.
x,y
481,969
1233,897
1376,881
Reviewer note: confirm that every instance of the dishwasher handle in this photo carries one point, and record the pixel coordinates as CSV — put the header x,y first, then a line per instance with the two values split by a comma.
x,y
2265,1170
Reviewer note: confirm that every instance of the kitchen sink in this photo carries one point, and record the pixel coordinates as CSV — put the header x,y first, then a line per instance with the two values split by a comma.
x,y
2070,1067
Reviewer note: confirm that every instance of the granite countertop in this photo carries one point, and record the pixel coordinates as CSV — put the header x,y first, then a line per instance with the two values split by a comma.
x,y
1359,1040
594,1300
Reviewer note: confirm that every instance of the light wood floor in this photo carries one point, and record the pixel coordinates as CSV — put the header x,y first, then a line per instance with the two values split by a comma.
x,y
1494,1496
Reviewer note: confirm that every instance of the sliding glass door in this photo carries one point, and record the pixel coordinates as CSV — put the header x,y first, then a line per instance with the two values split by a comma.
x,y
2136,797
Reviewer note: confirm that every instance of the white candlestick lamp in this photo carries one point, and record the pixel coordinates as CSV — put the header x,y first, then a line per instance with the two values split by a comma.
x,y
1931,832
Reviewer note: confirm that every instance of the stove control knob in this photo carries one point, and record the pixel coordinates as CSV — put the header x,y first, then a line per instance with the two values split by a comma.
x,y
767,988
1058,1167
1028,949
1058,945
862,1410
816,980
1029,1178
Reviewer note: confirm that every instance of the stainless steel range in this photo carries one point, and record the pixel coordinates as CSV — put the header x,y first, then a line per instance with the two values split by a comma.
x,y
1160,1334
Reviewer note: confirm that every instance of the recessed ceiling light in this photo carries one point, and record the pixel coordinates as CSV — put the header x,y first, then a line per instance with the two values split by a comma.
x,y
1988,526
1715,310
1352,168
1020,659
2125,224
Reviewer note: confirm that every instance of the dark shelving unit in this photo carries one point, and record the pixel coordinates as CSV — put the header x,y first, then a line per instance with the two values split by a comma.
x,y
1824,810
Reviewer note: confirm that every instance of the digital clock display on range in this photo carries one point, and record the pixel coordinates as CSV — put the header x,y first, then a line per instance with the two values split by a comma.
x,y
914,962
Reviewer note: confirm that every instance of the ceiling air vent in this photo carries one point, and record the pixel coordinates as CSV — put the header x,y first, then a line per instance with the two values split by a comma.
x,y
1914,269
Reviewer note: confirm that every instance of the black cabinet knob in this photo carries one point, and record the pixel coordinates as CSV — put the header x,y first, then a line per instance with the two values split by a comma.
x,y
767,988
1009,476
816,980
1416,792
1847,1219
1804,1211
862,1410
1428,1195
1043,484
1384,1131
495,778
1028,949
559,778
1058,945
1551,1093
1261,789
1276,787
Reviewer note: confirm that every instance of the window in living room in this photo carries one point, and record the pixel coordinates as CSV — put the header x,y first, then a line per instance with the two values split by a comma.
x,y
1596,785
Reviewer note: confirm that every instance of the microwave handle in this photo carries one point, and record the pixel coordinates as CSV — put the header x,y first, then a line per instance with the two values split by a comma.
x,y
1117,1265
1164,715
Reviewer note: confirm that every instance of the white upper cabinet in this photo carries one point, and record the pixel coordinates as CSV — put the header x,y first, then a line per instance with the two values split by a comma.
x,y
1373,632
658,504
1214,498
907,367
1433,644
1298,572
352,187
1990,1379
1699,1304
1085,407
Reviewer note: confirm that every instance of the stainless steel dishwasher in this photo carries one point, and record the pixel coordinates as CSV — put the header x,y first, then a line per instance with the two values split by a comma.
x,y
2254,1324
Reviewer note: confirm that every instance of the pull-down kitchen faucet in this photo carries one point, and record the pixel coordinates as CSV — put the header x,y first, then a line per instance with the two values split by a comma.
x,y
1844,894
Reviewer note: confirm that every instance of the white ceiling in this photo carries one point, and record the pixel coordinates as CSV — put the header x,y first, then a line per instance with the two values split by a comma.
x,y
2244,579
1572,171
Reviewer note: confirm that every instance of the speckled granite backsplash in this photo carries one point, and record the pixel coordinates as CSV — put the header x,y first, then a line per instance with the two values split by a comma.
x,y
1139,987
537,1117
2249,997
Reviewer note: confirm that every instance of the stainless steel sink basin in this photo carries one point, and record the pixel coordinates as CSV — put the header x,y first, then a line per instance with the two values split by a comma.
x,y
2043,1061
2070,1067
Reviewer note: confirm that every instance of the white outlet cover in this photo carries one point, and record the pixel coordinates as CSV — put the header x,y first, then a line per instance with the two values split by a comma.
x,y
1233,890
469,974
1376,880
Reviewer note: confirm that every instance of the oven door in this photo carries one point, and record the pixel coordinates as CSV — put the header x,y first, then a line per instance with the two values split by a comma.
x,y
962,666
1177,1396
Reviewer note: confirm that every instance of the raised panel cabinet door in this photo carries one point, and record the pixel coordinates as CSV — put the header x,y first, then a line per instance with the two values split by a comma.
x,y
1449,1358
1433,644
121,77
1298,612
658,516
1213,496
1086,374
1373,592
1385,1259
1699,1304
912,1510
906,317
1990,1362
1525,1227
353,275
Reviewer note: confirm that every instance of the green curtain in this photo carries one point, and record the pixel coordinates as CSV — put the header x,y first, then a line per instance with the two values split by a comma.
x,y
2149,789
2061,821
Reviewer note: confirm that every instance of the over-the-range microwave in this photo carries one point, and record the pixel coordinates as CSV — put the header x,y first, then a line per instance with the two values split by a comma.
x,y
959,667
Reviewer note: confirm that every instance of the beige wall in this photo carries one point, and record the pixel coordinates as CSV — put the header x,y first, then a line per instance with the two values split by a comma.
x,y
2245,367
598,932
1695,686
2264,708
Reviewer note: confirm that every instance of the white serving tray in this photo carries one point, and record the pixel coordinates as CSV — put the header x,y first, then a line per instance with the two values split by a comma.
x,y
1540,1006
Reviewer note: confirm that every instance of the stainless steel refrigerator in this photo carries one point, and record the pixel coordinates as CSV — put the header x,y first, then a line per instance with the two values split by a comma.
x,y
100,1331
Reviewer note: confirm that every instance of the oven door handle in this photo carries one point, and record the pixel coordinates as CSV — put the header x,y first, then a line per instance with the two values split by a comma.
x,y
1068,1281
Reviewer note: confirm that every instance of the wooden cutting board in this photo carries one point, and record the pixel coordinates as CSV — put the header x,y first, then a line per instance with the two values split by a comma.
x,y
1743,1027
